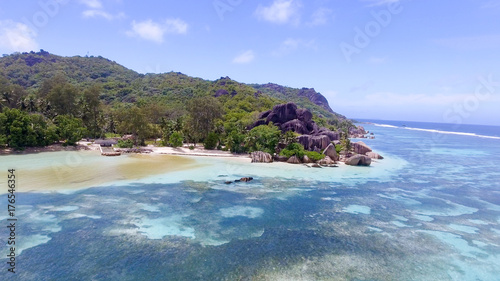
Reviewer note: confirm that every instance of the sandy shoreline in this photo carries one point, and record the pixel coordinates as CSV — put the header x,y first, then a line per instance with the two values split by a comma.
x,y
179,151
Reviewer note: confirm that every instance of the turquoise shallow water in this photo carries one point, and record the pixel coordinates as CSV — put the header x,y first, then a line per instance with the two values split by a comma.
x,y
429,211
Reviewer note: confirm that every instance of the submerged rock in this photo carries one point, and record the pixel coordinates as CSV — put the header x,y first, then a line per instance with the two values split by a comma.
x,y
358,160
246,179
261,157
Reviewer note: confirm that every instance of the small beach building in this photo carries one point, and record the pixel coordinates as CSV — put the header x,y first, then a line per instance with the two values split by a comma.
x,y
106,143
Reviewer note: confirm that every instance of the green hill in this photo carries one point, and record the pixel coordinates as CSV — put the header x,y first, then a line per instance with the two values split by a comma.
x,y
51,85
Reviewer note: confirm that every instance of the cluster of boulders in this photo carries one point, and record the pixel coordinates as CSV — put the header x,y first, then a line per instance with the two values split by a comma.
x,y
290,118
363,157
299,120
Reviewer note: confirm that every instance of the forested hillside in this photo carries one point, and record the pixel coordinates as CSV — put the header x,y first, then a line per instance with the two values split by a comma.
x,y
46,98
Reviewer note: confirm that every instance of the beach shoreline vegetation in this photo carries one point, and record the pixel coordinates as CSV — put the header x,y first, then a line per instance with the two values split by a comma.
x,y
63,100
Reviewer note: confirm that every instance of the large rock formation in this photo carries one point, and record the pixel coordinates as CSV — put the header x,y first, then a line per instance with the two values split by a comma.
x,y
306,159
331,152
293,160
358,160
326,161
314,143
361,147
374,155
290,118
358,132
261,157
309,93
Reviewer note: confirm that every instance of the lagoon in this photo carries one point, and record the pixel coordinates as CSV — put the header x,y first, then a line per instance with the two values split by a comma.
x,y
428,211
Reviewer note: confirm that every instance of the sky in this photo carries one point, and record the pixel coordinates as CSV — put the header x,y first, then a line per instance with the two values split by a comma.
x,y
412,60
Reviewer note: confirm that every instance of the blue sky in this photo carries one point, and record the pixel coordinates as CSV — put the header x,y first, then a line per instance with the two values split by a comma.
x,y
416,60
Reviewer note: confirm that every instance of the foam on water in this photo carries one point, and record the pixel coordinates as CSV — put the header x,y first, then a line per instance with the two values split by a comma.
x,y
150,208
452,133
65,209
79,215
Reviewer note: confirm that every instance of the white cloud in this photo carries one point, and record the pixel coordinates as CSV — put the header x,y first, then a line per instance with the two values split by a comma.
x,y
102,14
320,17
245,57
153,31
17,37
147,30
93,4
280,12
292,44
176,26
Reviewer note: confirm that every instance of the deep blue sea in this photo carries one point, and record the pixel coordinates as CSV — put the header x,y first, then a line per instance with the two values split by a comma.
x,y
429,211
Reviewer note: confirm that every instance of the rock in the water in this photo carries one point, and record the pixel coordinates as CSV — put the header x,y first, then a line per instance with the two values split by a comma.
x,y
331,152
293,160
361,148
326,161
228,182
358,160
316,165
261,157
374,155
306,159
246,179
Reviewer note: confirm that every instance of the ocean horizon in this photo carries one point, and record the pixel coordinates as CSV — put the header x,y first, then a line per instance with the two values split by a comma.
x,y
430,210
